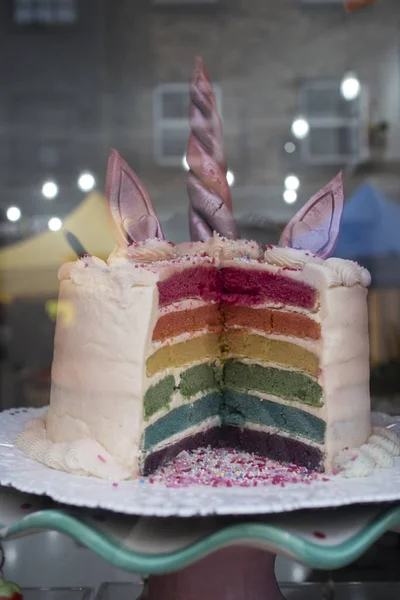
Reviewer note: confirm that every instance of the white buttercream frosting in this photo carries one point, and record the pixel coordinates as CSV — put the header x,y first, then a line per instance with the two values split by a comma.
x,y
349,271
378,453
337,271
290,257
115,280
151,250
222,248
81,457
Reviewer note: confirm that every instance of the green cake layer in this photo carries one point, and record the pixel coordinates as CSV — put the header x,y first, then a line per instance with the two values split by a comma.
x,y
289,385
158,396
200,378
239,408
182,418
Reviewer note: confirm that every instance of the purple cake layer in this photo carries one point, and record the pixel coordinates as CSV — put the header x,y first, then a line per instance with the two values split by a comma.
x,y
262,443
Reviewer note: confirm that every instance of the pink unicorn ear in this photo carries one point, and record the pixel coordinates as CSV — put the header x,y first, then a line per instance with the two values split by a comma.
x,y
130,204
316,226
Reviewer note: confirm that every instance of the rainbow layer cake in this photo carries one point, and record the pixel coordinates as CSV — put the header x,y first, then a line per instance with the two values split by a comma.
x,y
216,342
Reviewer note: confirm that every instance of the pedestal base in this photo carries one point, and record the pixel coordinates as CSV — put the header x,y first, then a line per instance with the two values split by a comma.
x,y
235,573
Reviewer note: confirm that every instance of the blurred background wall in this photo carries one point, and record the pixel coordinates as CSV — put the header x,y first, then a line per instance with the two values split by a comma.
x,y
81,76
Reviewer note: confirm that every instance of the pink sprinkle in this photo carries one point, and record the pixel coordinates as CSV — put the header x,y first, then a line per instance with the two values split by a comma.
x,y
353,458
101,459
115,484
319,534
229,468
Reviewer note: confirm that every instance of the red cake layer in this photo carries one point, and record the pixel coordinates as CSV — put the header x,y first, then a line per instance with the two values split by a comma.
x,y
252,287
194,282
175,323
271,321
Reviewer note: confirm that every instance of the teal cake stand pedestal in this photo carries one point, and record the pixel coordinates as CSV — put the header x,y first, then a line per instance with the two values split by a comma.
x,y
206,558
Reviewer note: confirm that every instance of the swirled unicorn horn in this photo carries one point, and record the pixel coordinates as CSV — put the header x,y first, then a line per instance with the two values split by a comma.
x,y
208,189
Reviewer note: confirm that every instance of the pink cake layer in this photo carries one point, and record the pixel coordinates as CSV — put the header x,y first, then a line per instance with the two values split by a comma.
x,y
252,286
236,286
195,282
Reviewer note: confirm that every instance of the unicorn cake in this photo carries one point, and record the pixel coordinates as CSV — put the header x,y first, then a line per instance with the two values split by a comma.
x,y
216,342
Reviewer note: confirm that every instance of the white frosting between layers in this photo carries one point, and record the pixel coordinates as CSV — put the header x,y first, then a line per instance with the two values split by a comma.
x,y
150,250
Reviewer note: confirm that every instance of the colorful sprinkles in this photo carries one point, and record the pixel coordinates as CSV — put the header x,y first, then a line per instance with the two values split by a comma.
x,y
229,468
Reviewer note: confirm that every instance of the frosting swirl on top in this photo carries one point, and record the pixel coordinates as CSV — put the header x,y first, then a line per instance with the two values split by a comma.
x,y
350,272
150,250
222,248
338,271
282,256
194,248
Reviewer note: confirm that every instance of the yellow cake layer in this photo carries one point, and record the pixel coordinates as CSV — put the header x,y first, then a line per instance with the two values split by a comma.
x,y
243,344
235,343
169,357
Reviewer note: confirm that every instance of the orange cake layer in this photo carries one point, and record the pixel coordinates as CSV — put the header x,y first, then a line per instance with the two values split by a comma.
x,y
175,323
272,321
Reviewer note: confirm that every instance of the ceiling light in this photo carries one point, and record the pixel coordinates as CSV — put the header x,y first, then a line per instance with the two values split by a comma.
x,y
50,190
230,178
54,224
86,182
300,128
290,147
292,182
350,86
289,196
13,214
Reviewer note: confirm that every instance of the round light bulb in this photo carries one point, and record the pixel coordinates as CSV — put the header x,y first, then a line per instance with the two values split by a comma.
x,y
290,147
49,189
13,214
86,182
292,182
350,86
230,178
54,224
300,128
289,196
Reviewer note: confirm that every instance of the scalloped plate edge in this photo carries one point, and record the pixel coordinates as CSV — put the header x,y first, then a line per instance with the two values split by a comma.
x,y
271,538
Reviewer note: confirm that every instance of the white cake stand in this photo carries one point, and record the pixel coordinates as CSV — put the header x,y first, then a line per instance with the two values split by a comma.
x,y
211,557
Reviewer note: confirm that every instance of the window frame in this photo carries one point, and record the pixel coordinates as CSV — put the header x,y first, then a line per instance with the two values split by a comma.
x,y
191,3
330,3
35,24
357,124
161,123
